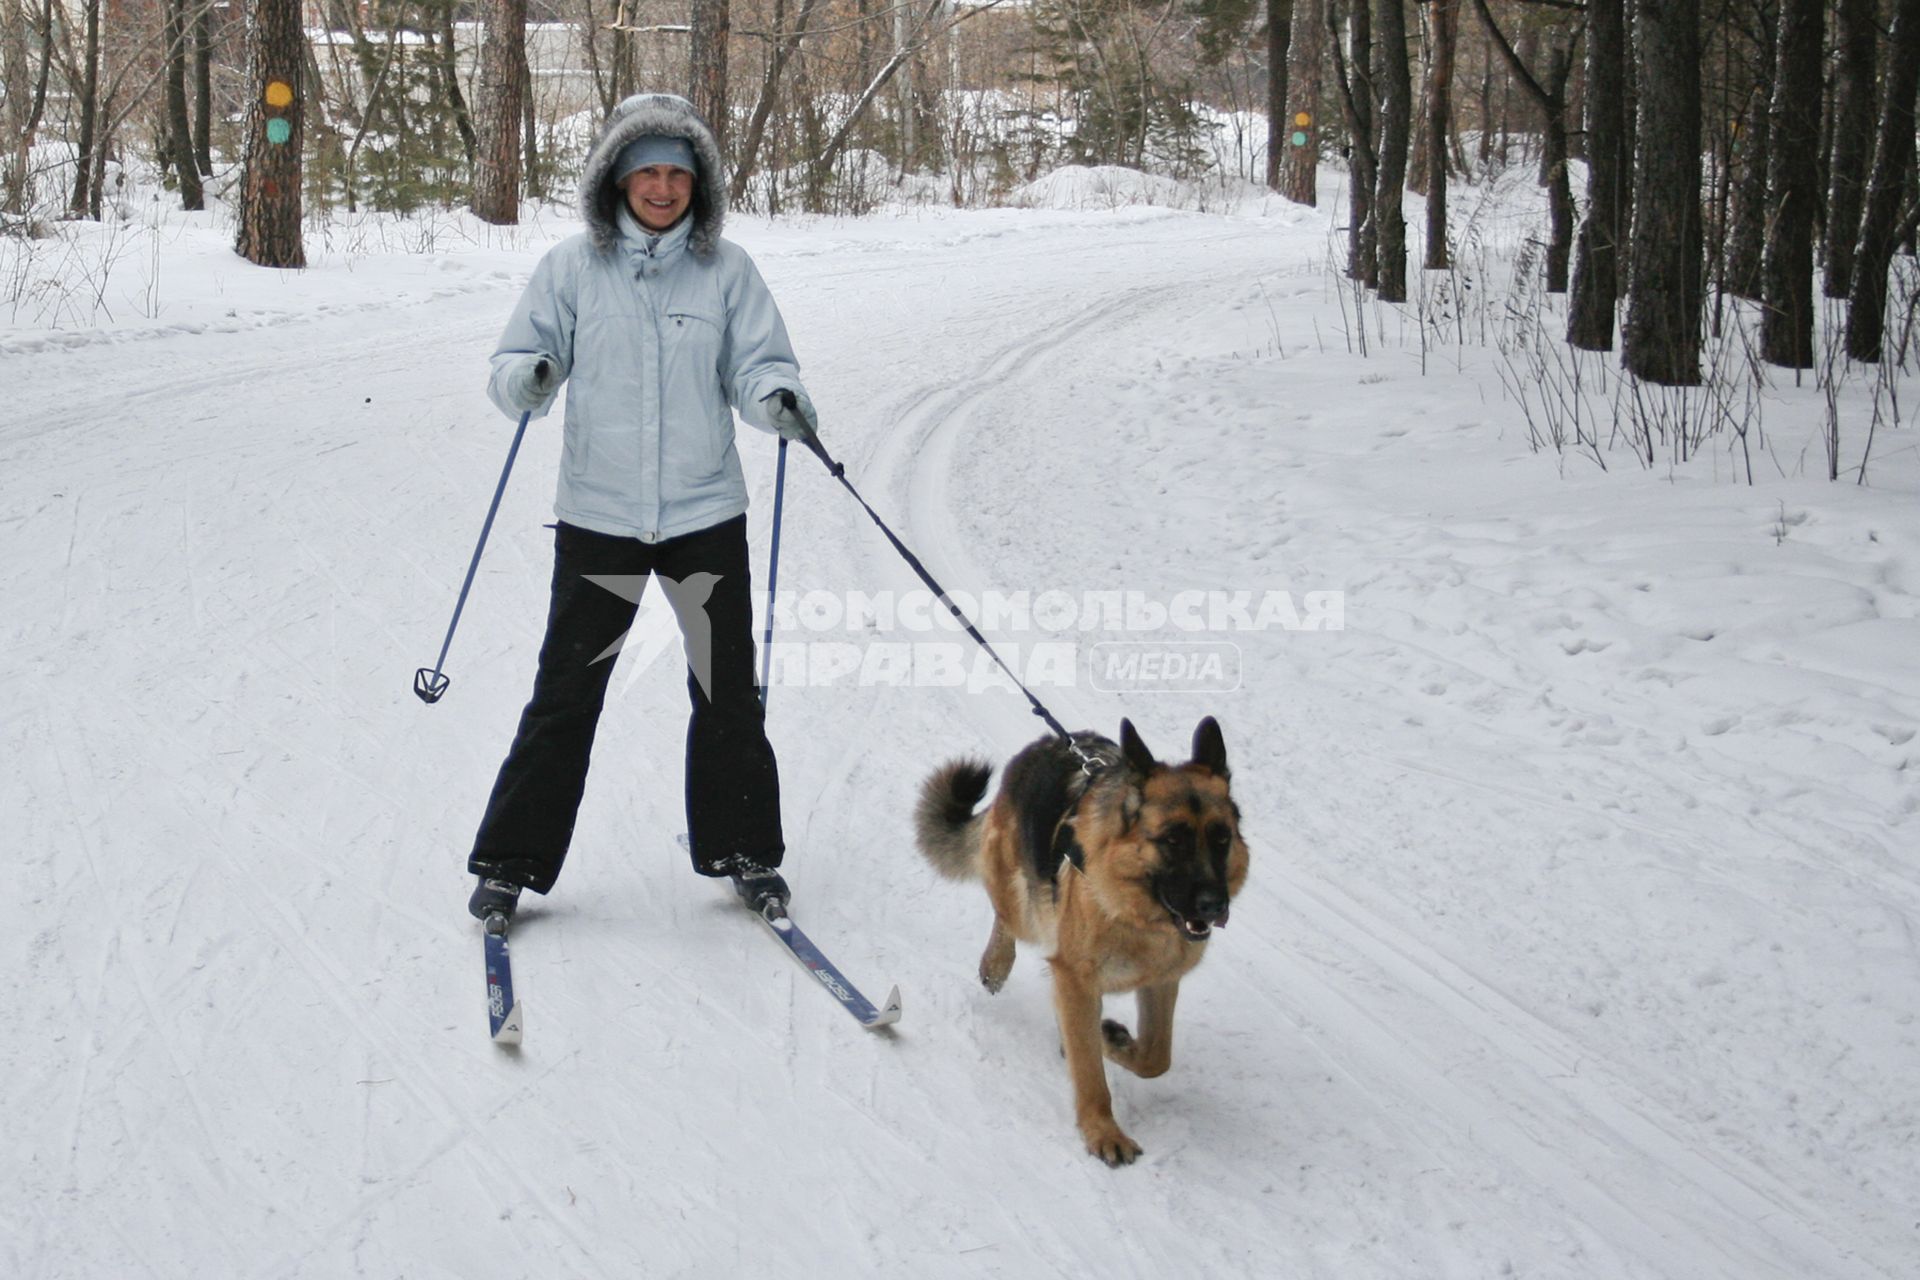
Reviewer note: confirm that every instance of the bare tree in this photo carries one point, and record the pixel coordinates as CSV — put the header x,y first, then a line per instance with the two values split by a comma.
x,y
1595,273
24,110
503,61
269,233
447,59
1443,26
1353,77
930,21
1551,98
1786,316
179,134
203,85
86,195
1665,288
1887,198
781,47
1747,234
1853,122
1279,40
1396,128
707,65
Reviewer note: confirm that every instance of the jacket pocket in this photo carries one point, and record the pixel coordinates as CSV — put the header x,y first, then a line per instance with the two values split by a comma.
x,y
694,337
696,400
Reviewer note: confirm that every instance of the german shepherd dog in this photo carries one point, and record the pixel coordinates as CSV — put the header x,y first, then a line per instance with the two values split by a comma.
x,y
1119,871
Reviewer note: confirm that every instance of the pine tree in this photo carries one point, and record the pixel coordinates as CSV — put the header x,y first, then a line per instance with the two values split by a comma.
x,y
270,187
496,167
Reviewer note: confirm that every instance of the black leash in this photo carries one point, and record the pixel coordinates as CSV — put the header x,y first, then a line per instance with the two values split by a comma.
x,y
1090,764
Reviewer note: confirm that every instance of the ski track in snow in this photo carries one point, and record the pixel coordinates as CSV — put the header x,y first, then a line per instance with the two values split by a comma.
x,y
1662,1190
1576,941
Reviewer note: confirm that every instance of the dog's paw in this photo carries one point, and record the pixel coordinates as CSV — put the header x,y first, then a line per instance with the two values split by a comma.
x,y
992,981
1119,1039
1110,1144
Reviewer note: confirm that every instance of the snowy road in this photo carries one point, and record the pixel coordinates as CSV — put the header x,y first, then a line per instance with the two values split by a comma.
x,y
1577,941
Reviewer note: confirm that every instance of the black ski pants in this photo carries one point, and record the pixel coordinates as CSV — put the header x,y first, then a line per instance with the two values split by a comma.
x,y
733,785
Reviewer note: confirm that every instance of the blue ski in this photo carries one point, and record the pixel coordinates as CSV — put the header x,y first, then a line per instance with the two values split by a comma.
x,y
801,948
503,1011
815,962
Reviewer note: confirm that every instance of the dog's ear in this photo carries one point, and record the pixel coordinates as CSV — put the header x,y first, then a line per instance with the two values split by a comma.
x,y
1210,748
1131,803
1138,758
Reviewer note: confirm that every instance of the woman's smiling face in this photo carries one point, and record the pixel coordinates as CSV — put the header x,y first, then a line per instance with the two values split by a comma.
x,y
658,194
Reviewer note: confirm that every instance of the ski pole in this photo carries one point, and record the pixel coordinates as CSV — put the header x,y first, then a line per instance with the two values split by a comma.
x,y
430,686
838,471
773,570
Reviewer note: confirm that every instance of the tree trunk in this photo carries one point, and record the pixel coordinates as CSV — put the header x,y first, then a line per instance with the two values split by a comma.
x,y
1854,111
707,65
626,58
447,57
1596,282
1893,162
1396,126
1749,231
496,165
1353,75
1443,25
1786,314
903,91
1553,163
1299,179
1551,99
13,106
784,46
1752,145
179,129
84,198
532,179
1665,288
1279,40
269,232
24,111
203,86
863,52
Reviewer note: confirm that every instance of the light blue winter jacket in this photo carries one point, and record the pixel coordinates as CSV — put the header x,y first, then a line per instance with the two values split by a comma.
x,y
659,338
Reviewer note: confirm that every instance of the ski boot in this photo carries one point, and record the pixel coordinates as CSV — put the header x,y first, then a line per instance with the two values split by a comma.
x,y
493,903
760,887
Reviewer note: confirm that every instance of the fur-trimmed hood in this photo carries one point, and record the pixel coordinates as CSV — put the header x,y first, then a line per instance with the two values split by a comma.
x,y
674,117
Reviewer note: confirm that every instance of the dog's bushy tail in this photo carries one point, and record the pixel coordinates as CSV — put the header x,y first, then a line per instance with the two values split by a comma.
x,y
945,825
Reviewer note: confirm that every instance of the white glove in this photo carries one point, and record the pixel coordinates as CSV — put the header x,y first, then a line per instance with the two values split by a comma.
x,y
791,414
527,384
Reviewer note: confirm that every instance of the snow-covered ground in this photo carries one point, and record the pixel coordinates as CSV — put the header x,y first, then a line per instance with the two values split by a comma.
x,y
1579,939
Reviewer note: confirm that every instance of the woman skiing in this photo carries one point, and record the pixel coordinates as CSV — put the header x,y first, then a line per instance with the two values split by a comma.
x,y
662,330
